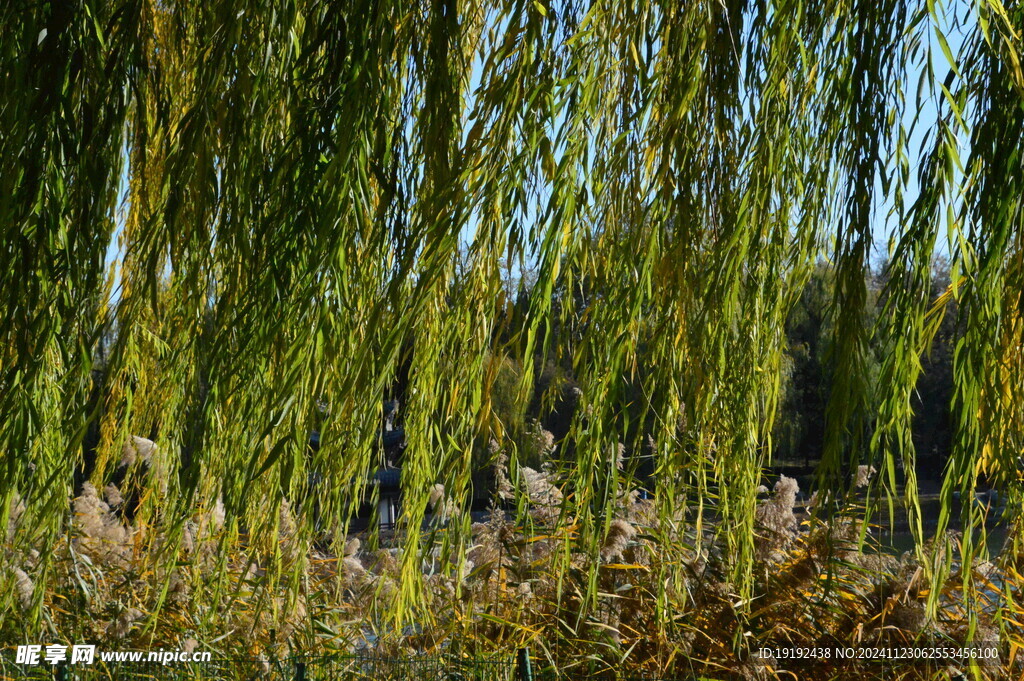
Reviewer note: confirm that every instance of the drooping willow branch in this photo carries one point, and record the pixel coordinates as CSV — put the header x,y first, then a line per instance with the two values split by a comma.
x,y
321,197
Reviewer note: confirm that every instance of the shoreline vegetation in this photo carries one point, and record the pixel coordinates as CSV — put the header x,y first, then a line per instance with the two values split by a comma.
x,y
816,587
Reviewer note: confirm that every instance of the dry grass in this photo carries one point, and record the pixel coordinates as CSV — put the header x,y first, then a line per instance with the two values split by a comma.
x,y
813,588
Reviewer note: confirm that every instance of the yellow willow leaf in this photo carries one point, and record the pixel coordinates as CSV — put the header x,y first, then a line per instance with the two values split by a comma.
x,y
626,566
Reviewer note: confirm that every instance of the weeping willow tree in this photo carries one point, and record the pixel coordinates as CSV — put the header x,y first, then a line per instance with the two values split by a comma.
x,y
307,198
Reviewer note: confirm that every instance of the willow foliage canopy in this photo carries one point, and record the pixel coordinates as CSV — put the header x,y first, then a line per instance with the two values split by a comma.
x,y
308,197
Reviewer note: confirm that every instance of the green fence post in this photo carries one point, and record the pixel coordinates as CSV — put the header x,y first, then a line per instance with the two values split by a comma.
x,y
525,673
300,671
